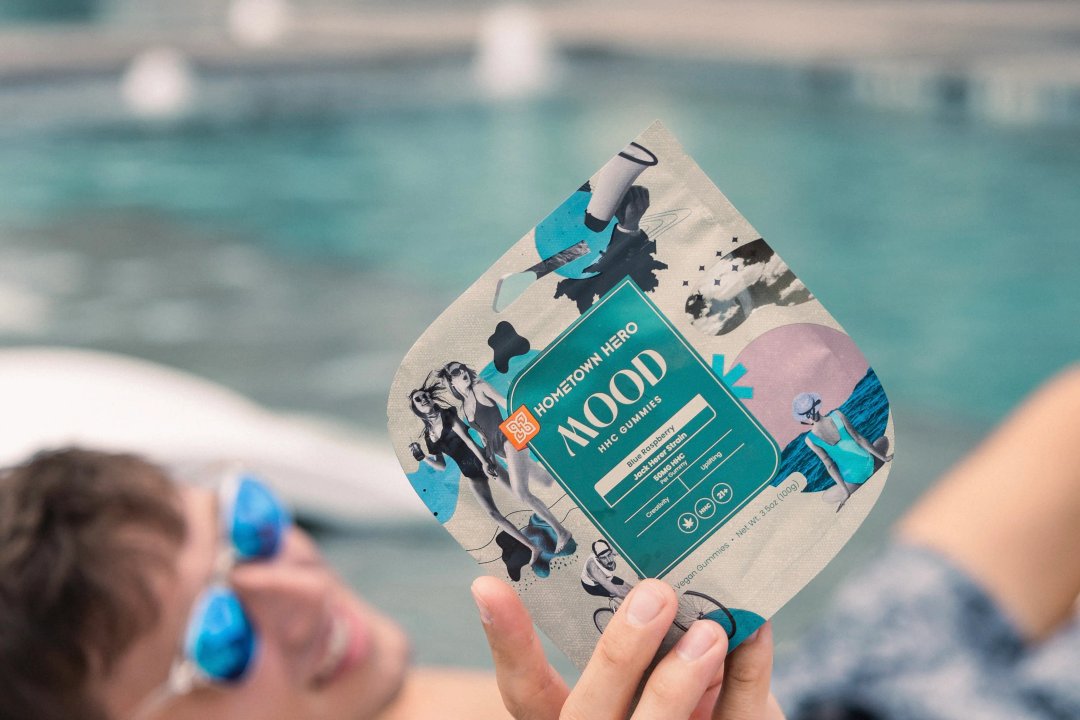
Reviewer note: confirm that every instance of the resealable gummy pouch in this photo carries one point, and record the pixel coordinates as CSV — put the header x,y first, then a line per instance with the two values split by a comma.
x,y
641,387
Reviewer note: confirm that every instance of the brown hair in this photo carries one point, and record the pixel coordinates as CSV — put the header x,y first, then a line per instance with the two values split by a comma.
x,y
74,565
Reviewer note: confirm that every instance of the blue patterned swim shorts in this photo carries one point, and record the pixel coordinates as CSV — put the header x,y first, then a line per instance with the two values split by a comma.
x,y
914,638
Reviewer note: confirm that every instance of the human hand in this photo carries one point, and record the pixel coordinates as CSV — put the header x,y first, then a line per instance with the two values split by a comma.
x,y
632,207
491,470
692,682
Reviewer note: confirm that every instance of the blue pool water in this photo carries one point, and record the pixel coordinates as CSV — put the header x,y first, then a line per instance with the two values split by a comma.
x,y
295,256
947,250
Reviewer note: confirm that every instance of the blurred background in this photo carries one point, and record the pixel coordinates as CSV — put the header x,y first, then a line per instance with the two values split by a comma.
x,y
256,191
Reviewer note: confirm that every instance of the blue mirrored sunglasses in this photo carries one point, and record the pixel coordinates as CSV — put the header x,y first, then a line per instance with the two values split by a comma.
x,y
220,641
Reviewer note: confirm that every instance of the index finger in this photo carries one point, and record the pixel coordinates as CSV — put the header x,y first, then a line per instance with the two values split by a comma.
x,y
530,687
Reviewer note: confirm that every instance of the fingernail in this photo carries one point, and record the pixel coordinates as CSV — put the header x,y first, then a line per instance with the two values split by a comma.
x,y
698,640
485,614
756,634
645,605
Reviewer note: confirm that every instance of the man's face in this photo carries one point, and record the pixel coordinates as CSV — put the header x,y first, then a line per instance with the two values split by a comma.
x,y
321,652
607,559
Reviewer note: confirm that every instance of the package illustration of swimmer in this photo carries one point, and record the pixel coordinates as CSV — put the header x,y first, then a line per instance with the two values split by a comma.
x,y
849,458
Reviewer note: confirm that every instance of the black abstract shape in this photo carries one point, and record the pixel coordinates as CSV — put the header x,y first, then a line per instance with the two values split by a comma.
x,y
696,306
516,556
507,344
631,255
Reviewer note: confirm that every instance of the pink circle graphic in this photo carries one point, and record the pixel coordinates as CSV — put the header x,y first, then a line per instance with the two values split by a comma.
x,y
793,359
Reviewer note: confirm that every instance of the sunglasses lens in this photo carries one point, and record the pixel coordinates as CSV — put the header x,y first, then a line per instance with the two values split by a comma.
x,y
220,638
258,520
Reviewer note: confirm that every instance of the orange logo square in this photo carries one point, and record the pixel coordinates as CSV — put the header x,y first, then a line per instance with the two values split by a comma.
x,y
520,428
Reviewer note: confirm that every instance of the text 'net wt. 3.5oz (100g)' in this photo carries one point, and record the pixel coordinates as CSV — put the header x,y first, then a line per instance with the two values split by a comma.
x,y
640,387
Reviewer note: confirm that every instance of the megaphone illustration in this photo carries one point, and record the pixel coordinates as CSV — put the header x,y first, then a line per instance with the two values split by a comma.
x,y
614,179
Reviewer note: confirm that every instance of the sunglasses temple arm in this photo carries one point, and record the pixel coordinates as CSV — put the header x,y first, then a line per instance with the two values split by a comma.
x,y
180,681
155,703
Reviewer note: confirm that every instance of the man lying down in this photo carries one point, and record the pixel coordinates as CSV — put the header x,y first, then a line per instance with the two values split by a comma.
x,y
125,595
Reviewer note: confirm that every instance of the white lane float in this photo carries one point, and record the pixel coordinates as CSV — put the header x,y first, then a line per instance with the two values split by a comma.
x,y
158,84
54,397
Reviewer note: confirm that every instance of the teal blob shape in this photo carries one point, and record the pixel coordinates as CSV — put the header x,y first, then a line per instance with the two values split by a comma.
x,y
438,488
544,536
746,622
565,226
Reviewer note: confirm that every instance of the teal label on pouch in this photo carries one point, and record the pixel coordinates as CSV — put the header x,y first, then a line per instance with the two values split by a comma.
x,y
638,429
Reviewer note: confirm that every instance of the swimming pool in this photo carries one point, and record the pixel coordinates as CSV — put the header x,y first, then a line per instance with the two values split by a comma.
x,y
947,249
294,253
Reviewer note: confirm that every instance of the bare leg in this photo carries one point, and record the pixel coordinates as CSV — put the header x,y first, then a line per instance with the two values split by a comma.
x,y
882,446
537,472
482,491
1009,514
518,463
836,494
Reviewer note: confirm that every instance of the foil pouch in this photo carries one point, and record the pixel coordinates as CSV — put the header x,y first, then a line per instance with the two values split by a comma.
x,y
641,387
